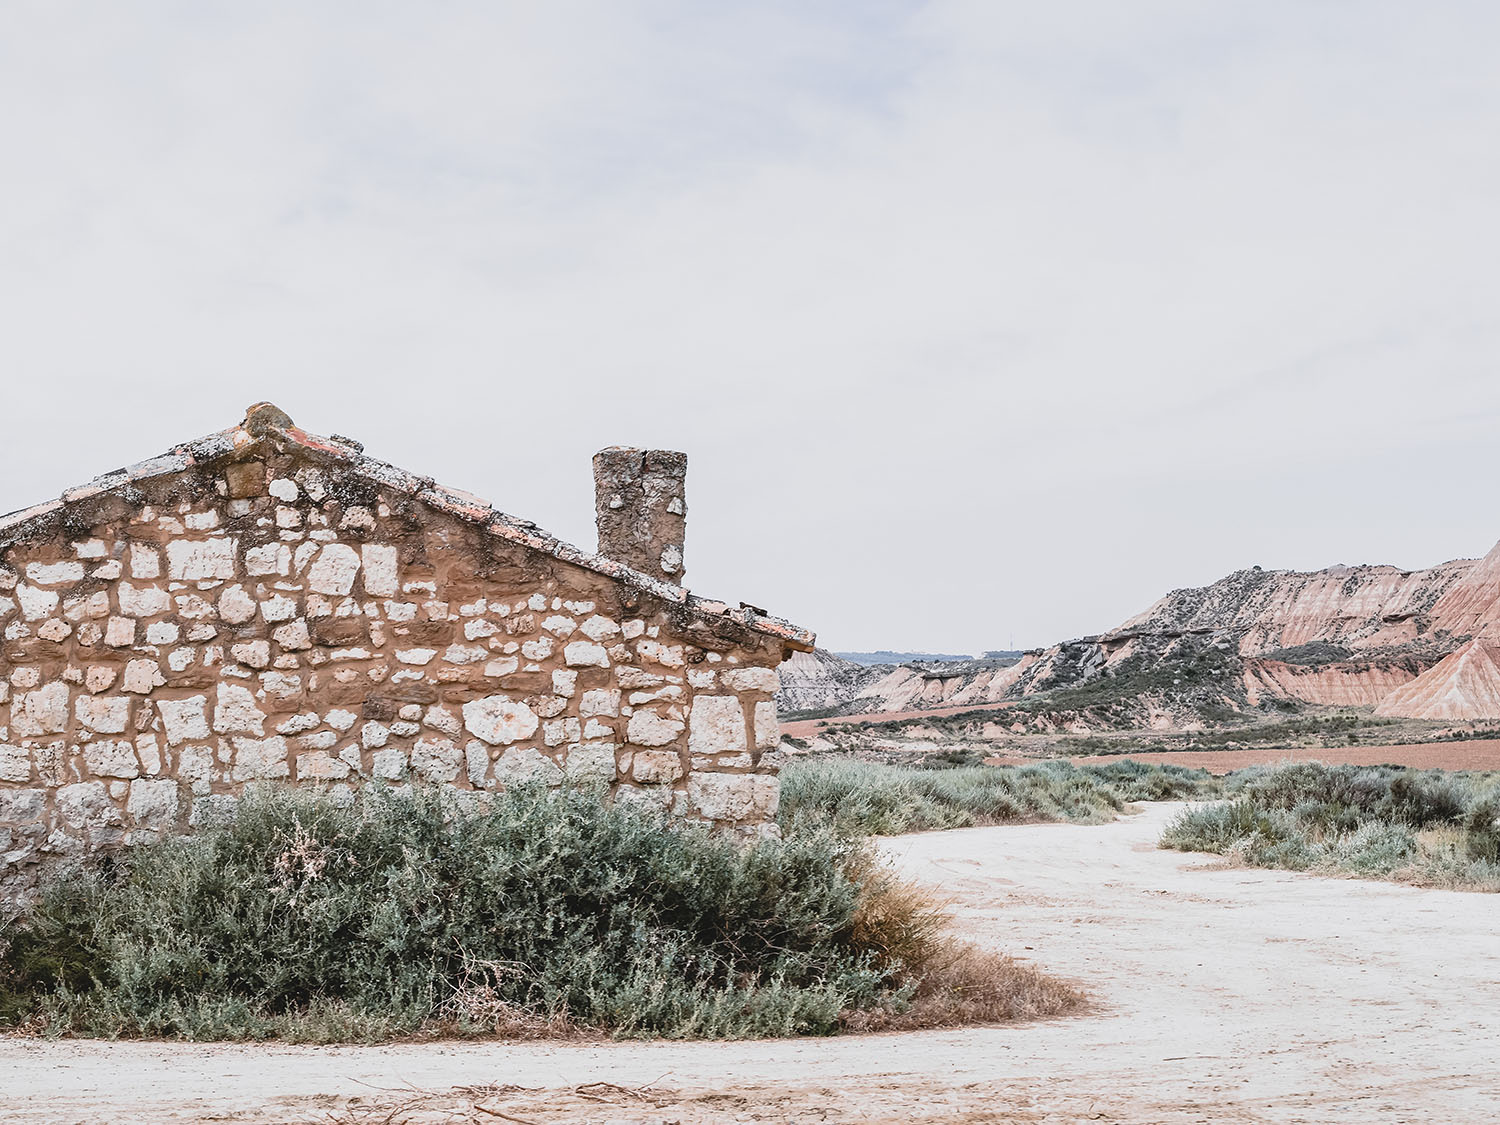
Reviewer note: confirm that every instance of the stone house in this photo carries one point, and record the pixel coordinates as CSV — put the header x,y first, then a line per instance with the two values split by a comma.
x,y
265,605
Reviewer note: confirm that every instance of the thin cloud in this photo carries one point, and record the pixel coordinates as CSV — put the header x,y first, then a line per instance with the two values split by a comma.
x,y
976,319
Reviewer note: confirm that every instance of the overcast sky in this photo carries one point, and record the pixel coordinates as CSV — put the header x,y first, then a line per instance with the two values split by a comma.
x,y
981,323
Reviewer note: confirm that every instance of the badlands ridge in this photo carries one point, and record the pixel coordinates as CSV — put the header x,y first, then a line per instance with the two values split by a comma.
x,y
1422,644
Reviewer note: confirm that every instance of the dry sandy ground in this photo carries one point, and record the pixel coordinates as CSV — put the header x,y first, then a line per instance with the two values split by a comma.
x,y
1221,996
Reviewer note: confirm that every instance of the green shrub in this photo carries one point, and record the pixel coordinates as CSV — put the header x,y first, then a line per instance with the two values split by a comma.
x,y
408,912
856,797
1482,831
1372,821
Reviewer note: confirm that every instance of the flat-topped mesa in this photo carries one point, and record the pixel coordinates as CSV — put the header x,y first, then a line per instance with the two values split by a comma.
x,y
641,509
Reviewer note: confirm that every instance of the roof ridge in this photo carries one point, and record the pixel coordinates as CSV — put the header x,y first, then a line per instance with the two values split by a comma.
x,y
265,422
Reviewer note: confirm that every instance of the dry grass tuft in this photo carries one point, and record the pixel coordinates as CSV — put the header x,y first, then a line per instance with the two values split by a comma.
x,y
964,984
952,982
478,1004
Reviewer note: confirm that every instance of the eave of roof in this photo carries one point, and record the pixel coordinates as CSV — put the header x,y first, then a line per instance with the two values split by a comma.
x,y
465,506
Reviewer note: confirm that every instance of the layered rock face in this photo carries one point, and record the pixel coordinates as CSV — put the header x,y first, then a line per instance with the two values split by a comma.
x,y
1338,684
820,680
812,681
1366,607
1464,686
253,612
1394,625
1365,636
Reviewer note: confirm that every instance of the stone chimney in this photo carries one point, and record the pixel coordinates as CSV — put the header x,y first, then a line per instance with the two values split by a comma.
x,y
641,510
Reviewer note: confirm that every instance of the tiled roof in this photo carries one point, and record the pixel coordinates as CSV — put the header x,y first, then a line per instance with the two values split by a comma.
x,y
264,422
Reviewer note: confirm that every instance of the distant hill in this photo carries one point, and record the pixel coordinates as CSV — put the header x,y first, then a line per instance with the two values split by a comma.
x,y
1417,644
886,656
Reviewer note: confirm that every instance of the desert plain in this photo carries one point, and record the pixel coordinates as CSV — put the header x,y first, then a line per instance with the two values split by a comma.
x,y
1217,994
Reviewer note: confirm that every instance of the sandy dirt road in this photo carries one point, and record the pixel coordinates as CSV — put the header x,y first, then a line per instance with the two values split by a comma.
x,y
1220,996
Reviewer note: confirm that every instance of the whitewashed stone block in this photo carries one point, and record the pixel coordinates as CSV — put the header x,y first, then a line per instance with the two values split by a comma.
x,y
656,767
142,601
526,763
751,679
334,570
668,656
716,725
22,806
321,766
235,711
767,726
201,560
153,804
145,561
236,606
271,559
647,728
598,627
99,677
600,701
15,764
111,758
590,765
54,574
436,759
142,677
252,654
86,805
260,759
185,720
148,749
733,796
278,608
582,654
163,633
293,636
103,714
477,762
389,765
44,711
499,720
36,603
341,720
382,572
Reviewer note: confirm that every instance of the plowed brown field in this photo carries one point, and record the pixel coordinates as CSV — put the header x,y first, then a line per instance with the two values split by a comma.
x,y
1475,754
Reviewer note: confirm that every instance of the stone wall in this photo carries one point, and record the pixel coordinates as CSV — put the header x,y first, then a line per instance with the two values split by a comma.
x,y
271,618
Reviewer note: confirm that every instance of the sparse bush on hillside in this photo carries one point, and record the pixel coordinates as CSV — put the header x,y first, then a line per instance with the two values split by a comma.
x,y
1428,827
1317,654
528,913
855,797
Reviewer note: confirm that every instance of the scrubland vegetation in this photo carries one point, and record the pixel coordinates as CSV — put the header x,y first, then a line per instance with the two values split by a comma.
x,y
1432,828
532,913
857,797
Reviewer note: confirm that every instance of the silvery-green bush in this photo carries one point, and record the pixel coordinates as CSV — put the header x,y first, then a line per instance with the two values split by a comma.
x,y
1430,827
856,797
305,919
